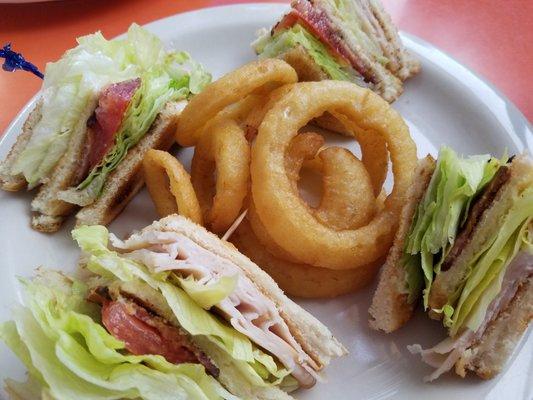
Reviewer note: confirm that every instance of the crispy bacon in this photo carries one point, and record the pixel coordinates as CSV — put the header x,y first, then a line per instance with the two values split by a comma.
x,y
103,127
318,23
146,333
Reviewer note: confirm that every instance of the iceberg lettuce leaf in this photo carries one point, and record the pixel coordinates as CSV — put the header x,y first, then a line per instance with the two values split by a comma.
x,y
258,367
72,84
487,269
77,358
440,213
269,47
207,295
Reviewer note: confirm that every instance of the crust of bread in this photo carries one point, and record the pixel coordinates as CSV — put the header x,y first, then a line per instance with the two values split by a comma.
x,y
126,180
314,337
10,182
403,64
488,357
46,223
48,210
447,282
389,309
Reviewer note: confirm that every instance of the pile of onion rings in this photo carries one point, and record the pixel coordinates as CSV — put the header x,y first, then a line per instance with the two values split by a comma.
x,y
250,153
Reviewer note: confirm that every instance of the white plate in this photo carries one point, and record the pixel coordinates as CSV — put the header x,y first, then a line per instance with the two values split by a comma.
x,y
445,104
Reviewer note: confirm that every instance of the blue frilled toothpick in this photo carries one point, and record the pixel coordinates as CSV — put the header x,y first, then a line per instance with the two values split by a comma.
x,y
14,61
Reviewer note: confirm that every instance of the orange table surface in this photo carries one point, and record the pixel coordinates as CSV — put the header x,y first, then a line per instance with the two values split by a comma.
x,y
492,37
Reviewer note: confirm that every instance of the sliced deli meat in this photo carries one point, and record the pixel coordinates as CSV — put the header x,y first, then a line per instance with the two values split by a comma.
x,y
247,309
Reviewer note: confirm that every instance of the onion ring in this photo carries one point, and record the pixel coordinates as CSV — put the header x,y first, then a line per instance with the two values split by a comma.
x,y
239,113
223,149
299,279
375,154
170,186
291,225
304,146
258,77
256,115
348,200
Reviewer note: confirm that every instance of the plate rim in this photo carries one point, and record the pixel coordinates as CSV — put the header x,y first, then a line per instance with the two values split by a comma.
x,y
9,132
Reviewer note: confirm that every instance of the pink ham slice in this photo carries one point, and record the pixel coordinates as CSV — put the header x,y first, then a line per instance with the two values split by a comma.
x,y
317,23
112,105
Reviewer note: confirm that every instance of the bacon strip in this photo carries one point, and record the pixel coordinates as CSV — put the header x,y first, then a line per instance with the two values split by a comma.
x,y
318,23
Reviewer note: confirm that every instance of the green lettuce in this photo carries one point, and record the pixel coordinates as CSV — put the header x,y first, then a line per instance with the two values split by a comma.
x,y
69,355
487,269
257,367
414,280
72,84
155,91
269,47
206,296
440,213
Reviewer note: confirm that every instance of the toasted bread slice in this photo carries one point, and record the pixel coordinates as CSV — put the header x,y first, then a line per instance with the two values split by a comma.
x,y
401,62
447,282
488,356
126,180
10,182
390,309
48,210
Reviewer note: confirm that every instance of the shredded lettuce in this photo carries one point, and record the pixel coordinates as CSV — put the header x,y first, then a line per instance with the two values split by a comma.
x,y
71,356
72,84
258,367
269,47
487,269
455,182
